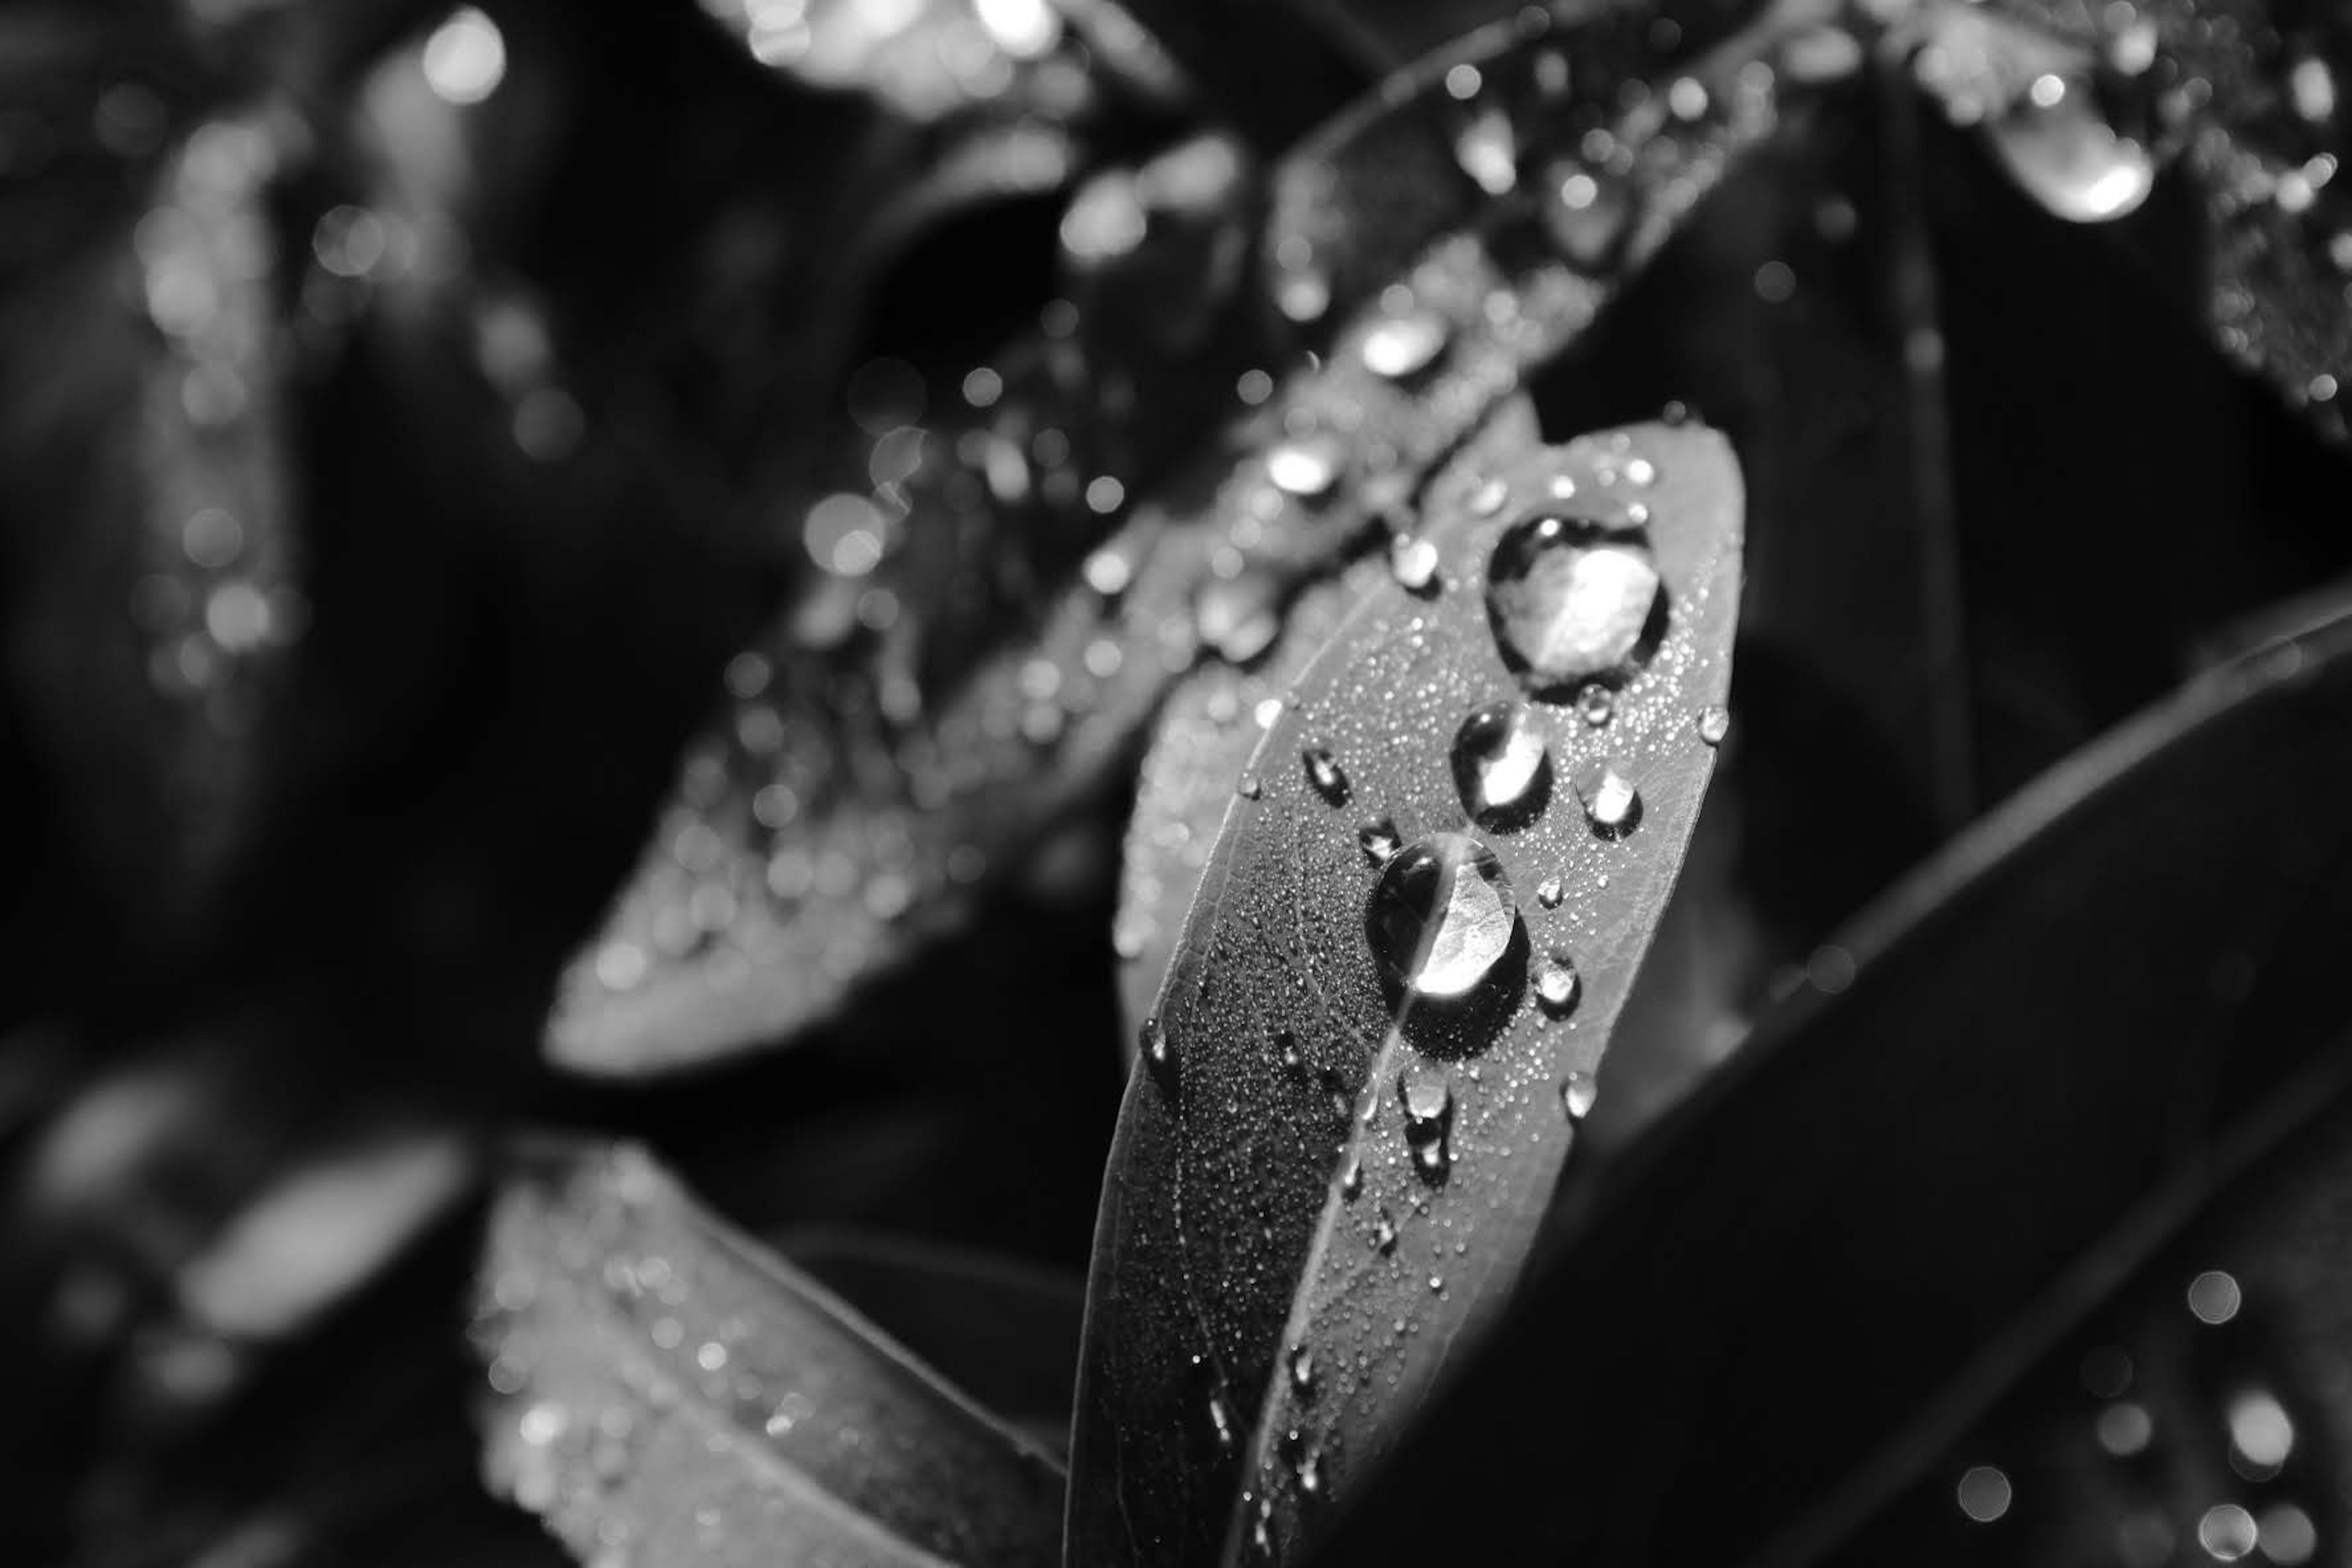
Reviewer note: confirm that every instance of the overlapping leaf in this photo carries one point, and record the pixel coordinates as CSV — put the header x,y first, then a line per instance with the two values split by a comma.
x,y
2086,1000
1427,907
760,908
669,1388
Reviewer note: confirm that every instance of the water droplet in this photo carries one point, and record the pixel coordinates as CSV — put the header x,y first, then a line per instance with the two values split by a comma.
x,y
1221,1422
1501,766
1441,916
2261,1434
2226,1532
1351,1178
1248,786
1640,471
1325,775
1379,840
1413,561
1285,1052
2214,1297
1612,804
1302,1369
1488,498
1305,468
1577,1093
1589,213
1152,1040
1984,1494
1303,294
1310,1473
2060,148
1489,152
1571,603
1237,617
1398,347
1557,986
1384,1233
1714,723
1550,892
1428,1102
1596,706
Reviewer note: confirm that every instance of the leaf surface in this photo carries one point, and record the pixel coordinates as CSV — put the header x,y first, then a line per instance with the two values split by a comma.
x,y
1362,1082
669,1384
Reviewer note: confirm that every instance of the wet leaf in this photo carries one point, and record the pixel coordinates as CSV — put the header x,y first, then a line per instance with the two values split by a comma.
x,y
2085,996
1428,903
798,861
665,1381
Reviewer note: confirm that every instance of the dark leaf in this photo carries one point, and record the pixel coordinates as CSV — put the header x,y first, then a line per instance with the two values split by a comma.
x,y
1002,1330
2086,994
668,1382
837,823
1427,907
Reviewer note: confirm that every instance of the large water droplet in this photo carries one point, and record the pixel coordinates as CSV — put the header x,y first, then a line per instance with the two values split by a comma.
x,y
1325,774
1402,346
2061,149
1501,766
1714,724
1569,601
1441,916
1612,804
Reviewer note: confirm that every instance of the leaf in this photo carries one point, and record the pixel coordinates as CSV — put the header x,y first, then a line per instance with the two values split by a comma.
x,y
667,1384
2085,996
2201,1401
1371,1051
1004,1330
755,915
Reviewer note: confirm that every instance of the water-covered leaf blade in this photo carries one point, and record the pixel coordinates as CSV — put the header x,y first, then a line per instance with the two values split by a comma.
x,y
1429,900
666,1385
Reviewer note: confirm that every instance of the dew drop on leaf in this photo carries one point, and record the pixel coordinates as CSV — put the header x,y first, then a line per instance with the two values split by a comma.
x,y
1501,766
1413,561
1569,601
1557,986
1325,774
1248,787
1612,804
2057,146
1305,468
1441,916
1379,840
1550,892
1577,1093
1428,1101
1302,1368
1399,347
1384,1233
1714,723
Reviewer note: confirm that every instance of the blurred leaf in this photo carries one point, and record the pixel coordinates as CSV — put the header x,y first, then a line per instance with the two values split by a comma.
x,y
1380,1031
2085,996
667,1382
872,795
1001,1329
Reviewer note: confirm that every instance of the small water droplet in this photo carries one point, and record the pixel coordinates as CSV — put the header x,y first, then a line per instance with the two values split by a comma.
x,y
1399,347
2059,147
1248,786
1612,804
1596,705
1237,617
1285,1052
1221,1423
1640,471
1488,498
1325,774
1384,1233
1428,1102
1351,1178
1488,152
1501,766
1571,603
1714,723
1305,468
1550,892
2124,1429
1557,986
1413,561
1589,213
1310,1473
1577,1093
1441,916
1302,1369
1379,840
1303,294
1152,1040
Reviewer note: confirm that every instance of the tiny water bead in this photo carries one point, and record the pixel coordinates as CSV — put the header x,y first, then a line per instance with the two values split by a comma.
x,y
1325,775
1612,805
1577,1094
1441,916
1502,768
1570,602
1377,839
1557,986
1402,346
